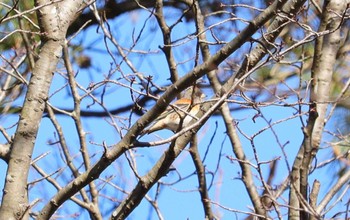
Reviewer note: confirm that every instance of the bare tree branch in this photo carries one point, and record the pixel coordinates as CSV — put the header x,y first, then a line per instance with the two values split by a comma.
x,y
202,180
54,19
322,72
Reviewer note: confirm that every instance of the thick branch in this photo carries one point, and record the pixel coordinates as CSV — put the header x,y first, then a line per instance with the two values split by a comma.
x,y
16,181
5,151
167,49
112,10
202,180
322,71
54,23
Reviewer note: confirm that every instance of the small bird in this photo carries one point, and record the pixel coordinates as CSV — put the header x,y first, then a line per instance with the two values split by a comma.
x,y
179,112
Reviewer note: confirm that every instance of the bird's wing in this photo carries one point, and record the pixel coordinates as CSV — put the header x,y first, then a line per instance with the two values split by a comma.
x,y
180,106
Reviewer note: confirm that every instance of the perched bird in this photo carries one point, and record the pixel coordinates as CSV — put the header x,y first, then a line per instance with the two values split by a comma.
x,y
182,111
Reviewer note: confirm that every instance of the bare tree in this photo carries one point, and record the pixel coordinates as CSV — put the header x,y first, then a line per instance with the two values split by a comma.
x,y
81,81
